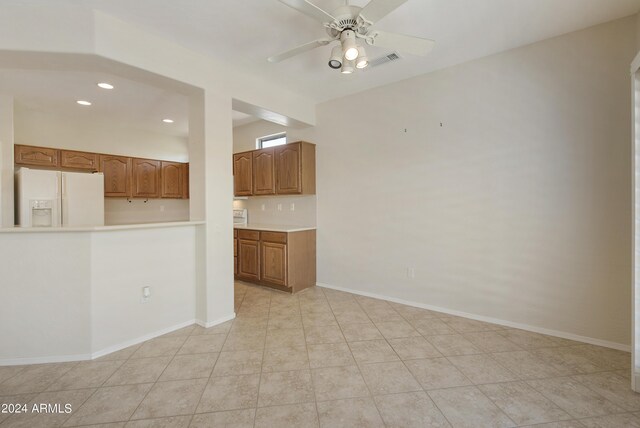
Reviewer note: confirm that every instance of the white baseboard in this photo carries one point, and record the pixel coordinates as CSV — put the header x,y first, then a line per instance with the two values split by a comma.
x,y
114,348
215,322
44,360
94,355
541,330
140,339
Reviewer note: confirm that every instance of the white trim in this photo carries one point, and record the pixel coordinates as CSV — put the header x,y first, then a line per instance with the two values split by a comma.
x,y
215,322
140,339
94,355
556,333
44,360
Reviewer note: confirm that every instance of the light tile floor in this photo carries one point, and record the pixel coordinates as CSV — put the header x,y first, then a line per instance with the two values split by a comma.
x,y
331,359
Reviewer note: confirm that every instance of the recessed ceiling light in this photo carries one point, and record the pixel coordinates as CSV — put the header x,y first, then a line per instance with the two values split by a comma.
x,y
83,103
167,120
105,85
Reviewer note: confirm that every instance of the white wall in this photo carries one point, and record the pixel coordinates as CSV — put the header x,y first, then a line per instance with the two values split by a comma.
x,y
48,129
45,297
122,262
70,295
509,191
6,161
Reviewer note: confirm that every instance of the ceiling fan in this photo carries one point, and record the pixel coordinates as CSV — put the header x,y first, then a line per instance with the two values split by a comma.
x,y
349,24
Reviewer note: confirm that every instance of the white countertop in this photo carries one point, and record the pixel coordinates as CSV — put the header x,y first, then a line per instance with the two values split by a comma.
x,y
274,227
98,228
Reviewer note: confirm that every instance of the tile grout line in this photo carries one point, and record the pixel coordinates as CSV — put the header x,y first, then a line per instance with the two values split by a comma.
x,y
264,351
195,409
306,346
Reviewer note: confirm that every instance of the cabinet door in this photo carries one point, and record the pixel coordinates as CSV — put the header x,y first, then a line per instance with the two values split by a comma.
x,y
36,156
274,263
172,177
146,178
248,260
117,175
242,172
288,169
264,177
79,160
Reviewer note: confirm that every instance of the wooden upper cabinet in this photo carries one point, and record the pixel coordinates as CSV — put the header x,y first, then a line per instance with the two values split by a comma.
x,y
117,175
36,156
172,179
79,160
264,175
242,174
145,178
296,169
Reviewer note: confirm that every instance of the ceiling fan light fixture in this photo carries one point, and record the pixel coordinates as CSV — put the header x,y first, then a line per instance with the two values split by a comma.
x,y
347,67
335,61
349,47
362,61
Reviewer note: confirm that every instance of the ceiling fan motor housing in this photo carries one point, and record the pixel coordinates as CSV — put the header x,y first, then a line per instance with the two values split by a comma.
x,y
346,19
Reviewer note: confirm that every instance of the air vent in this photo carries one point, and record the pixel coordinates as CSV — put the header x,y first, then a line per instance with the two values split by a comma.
x,y
393,56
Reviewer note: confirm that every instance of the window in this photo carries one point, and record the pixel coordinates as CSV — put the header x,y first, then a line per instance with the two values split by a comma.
x,y
271,140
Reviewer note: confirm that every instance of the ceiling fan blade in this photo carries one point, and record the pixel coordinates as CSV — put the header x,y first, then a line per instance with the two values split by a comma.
x,y
407,44
300,49
309,9
378,9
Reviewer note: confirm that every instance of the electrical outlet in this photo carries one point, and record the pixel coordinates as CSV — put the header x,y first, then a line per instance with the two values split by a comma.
x,y
161,208
411,272
262,207
146,294
293,206
279,207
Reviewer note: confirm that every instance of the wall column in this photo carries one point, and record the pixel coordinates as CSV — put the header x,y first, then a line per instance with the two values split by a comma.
x,y
6,161
211,193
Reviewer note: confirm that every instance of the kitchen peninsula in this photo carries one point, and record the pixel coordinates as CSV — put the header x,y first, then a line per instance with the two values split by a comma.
x,y
65,284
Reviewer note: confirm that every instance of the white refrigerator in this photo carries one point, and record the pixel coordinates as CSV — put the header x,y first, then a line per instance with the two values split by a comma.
x,y
55,199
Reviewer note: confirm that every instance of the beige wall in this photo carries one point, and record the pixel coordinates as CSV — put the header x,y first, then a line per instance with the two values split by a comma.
x,y
244,137
505,183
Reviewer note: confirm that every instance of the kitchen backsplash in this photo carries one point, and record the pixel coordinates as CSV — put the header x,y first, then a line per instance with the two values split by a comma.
x,y
266,210
120,211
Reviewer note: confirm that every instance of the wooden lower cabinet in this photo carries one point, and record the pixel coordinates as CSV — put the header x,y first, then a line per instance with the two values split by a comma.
x,y
273,263
285,261
248,259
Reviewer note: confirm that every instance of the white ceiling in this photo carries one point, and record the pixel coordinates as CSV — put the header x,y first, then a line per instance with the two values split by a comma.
x,y
129,104
244,33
